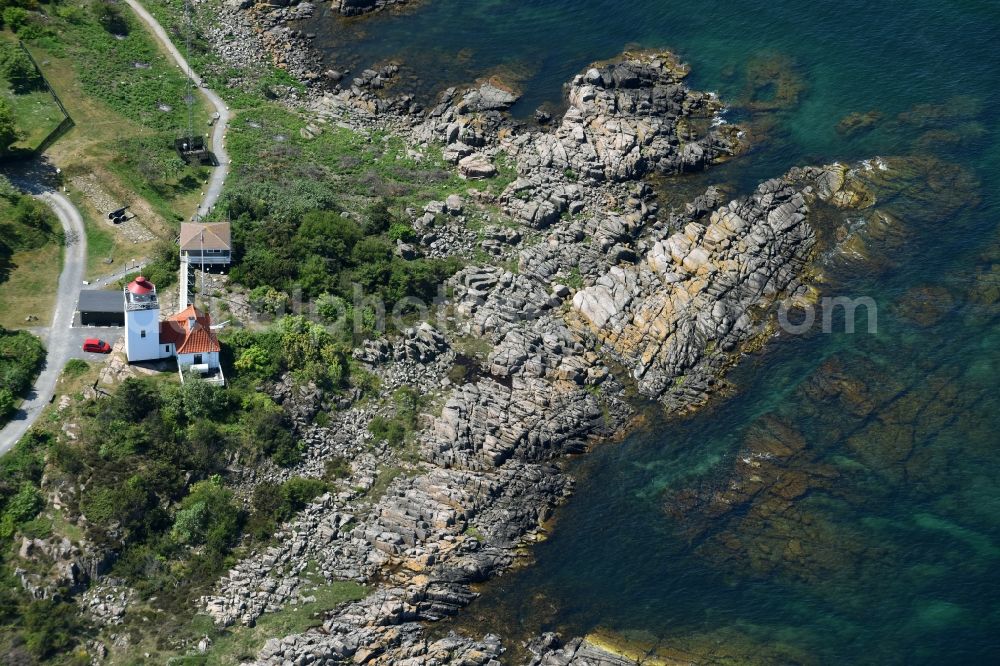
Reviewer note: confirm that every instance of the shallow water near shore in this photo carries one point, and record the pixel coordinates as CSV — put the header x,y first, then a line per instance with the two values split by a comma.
x,y
844,505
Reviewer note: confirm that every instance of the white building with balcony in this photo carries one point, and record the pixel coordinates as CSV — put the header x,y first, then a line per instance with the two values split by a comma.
x,y
186,336
206,244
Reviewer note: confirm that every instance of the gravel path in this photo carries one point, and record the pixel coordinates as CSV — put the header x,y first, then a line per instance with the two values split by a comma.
x,y
220,172
60,342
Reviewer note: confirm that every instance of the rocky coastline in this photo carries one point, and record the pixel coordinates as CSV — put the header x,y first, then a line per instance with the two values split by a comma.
x,y
596,293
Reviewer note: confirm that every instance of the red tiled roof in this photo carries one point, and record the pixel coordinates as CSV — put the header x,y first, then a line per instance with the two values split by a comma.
x,y
188,337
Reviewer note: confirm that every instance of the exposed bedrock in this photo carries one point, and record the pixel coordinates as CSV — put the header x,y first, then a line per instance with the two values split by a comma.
x,y
595,278
359,7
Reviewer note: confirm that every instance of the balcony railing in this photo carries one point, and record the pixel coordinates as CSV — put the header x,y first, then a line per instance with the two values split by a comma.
x,y
132,306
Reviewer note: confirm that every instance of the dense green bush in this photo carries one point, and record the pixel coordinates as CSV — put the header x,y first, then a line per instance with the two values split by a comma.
x,y
15,18
25,224
290,231
76,367
111,17
306,349
151,461
17,68
209,516
51,628
396,429
161,270
21,358
8,401
325,253
275,503
9,133
20,473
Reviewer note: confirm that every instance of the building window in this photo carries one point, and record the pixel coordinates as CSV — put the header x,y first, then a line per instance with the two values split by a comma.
x,y
142,333
166,349
197,359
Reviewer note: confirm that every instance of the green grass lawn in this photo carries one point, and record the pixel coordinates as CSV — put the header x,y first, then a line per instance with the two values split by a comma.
x,y
36,112
30,287
127,99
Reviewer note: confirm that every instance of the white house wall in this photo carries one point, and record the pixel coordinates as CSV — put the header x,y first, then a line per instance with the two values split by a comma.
x,y
211,358
137,347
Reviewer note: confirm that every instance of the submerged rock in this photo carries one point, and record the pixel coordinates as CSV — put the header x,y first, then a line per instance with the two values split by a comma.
x,y
857,122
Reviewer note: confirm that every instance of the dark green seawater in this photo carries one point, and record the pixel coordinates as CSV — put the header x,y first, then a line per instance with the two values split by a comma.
x,y
867,529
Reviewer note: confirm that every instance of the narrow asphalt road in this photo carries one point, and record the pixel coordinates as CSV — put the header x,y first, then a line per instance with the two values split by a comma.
x,y
62,340
60,343
221,172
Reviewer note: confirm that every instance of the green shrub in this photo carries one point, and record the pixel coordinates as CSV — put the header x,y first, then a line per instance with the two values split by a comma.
x,y
9,133
273,503
336,468
266,431
401,231
15,18
20,508
18,69
21,358
7,404
50,627
395,430
76,367
26,224
388,429
111,17
208,515
268,300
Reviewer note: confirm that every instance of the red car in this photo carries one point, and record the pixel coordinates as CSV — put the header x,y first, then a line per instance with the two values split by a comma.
x,y
95,345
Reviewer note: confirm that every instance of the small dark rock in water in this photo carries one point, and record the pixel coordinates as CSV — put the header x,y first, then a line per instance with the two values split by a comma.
x,y
542,118
926,306
333,75
358,7
856,122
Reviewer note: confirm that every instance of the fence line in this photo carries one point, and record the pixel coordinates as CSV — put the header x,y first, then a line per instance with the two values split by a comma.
x,y
67,121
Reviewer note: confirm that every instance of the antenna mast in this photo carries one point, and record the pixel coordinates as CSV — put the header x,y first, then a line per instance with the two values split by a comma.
x,y
203,302
189,97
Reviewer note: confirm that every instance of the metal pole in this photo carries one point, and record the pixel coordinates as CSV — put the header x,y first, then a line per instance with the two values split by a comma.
x,y
189,98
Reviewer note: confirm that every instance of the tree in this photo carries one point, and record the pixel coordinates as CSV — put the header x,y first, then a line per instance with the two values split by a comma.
x,y
50,627
133,401
254,360
202,400
378,217
208,515
6,403
15,18
268,300
111,18
327,234
9,133
19,70
22,507
266,430
315,276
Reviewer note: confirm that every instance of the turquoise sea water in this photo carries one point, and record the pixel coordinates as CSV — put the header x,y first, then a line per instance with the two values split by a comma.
x,y
869,529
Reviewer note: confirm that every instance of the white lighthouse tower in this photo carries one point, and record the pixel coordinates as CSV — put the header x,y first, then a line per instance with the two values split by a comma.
x,y
142,321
